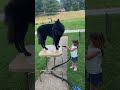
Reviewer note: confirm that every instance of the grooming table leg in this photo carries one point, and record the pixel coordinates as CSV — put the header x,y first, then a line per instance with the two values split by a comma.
x,y
54,61
27,81
62,60
40,77
46,65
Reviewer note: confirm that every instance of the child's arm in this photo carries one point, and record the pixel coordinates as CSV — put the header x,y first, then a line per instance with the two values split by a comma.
x,y
90,55
71,49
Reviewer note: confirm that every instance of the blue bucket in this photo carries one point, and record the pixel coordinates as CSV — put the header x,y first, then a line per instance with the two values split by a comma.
x,y
76,88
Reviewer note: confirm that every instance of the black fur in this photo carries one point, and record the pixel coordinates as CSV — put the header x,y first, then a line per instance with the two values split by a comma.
x,y
18,15
55,31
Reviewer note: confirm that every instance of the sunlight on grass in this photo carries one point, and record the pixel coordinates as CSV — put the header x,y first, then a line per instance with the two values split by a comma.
x,y
70,24
61,16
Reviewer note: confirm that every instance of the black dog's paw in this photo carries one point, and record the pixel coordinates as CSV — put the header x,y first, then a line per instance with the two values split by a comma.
x,y
46,48
57,48
27,54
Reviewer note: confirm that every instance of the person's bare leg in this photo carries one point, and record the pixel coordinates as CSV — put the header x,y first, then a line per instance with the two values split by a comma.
x,y
73,64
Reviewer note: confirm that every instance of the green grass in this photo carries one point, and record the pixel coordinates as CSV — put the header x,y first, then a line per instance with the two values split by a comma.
x,y
111,59
77,77
71,24
10,80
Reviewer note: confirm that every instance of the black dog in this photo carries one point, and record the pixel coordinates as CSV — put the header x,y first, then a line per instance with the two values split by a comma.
x,y
18,15
55,31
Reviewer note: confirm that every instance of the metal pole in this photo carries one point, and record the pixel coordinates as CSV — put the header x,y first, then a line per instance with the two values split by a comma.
x,y
79,36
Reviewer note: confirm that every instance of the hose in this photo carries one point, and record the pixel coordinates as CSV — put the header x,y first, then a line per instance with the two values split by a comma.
x,y
59,76
73,87
63,79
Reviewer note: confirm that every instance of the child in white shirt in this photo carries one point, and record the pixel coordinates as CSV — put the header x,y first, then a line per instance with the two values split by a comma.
x,y
74,54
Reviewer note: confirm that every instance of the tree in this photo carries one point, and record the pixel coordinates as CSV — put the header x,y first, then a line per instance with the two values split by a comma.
x,y
66,4
47,6
50,5
81,4
75,5
38,7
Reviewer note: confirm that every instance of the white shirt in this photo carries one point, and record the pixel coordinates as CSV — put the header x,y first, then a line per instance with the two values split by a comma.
x,y
74,53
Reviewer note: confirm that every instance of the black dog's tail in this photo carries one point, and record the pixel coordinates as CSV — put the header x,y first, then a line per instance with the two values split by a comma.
x,y
9,23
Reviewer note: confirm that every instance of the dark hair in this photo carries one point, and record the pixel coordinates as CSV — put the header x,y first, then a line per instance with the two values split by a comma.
x,y
76,43
98,40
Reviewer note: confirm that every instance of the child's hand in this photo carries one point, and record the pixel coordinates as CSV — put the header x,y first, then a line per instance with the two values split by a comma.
x,y
67,47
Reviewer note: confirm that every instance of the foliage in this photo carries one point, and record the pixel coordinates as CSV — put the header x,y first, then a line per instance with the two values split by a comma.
x,y
73,5
46,6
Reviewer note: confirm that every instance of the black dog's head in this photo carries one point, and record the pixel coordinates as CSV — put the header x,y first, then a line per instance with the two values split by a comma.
x,y
58,28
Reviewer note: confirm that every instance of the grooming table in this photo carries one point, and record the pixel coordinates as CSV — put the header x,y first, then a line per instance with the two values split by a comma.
x,y
51,52
24,64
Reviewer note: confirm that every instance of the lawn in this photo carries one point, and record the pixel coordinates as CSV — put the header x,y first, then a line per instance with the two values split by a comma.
x,y
62,16
72,20
70,24
10,80
111,59
77,77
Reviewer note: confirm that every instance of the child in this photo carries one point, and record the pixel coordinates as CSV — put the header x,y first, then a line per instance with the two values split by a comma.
x,y
74,55
94,59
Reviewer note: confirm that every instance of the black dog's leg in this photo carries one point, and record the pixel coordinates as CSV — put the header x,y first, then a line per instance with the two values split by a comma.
x,y
40,41
24,49
57,43
21,39
43,45
45,37
18,47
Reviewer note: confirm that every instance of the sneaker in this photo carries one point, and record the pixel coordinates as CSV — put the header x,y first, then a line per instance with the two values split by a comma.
x,y
72,67
75,69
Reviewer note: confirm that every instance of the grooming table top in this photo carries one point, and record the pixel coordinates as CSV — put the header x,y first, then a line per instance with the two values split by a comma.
x,y
51,51
23,63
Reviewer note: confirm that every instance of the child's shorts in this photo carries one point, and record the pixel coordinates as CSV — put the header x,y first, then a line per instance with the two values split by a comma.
x,y
74,59
95,79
